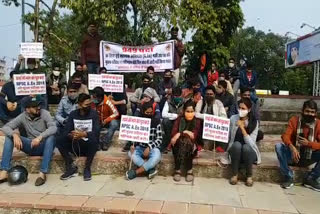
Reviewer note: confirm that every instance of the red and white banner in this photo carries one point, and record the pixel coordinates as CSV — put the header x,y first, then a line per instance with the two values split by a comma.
x,y
135,129
119,58
216,128
29,84
109,82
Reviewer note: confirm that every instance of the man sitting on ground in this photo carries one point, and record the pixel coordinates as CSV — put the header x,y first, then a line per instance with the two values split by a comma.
x,y
39,140
225,97
301,146
77,80
81,137
149,151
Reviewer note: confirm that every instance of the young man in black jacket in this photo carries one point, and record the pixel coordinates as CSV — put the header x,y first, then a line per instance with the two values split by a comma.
x,y
81,136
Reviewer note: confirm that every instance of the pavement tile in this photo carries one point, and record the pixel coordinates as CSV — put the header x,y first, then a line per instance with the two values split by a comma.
x,y
268,212
25,200
72,202
200,208
223,210
117,205
97,204
149,207
305,203
50,202
174,207
5,199
246,211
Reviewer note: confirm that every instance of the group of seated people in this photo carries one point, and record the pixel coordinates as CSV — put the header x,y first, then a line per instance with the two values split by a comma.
x,y
176,125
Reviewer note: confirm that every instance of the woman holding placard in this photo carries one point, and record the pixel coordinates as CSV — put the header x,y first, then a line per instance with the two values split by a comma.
x,y
186,130
242,145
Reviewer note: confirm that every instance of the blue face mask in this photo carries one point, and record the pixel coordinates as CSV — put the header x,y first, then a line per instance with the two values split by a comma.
x,y
95,101
177,100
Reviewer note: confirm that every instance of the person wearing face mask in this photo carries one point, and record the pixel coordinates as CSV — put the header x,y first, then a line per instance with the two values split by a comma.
x,y
147,155
186,126
301,147
165,87
80,137
76,79
40,129
242,145
136,98
222,77
233,75
67,104
213,74
193,91
171,110
225,97
56,84
209,105
108,115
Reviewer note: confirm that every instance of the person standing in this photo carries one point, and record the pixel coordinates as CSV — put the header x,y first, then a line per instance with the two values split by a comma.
x,y
56,85
179,51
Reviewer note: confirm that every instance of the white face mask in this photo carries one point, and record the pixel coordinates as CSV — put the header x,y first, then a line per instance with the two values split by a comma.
x,y
231,65
243,113
222,78
56,73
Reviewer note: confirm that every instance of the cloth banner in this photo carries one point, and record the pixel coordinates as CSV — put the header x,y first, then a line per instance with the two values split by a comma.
x,y
32,50
216,128
118,58
135,129
109,82
29,84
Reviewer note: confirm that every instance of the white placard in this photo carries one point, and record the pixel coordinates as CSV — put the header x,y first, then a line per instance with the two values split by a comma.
x,y
216,128
32,50
135,129
109,82
29,84
83,125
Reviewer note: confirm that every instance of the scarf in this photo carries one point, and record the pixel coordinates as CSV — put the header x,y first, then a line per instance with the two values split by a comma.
x,y
305,152
187,125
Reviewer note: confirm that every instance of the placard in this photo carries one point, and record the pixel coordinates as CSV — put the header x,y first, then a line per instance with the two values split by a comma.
x,y
216,128
120,58
83,125
135,129
109,82
32,50
29,84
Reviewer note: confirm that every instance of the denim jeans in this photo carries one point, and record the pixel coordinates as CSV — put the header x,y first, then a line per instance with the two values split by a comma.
x,y
114,125
45,149
153,160
92,67
285,158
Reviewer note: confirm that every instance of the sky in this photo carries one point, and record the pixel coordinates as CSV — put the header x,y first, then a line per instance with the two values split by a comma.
x,y
279,16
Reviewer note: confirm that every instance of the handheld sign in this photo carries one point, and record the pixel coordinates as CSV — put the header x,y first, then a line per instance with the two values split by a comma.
x,y
136,129
109,82
216,128
32,50
28,84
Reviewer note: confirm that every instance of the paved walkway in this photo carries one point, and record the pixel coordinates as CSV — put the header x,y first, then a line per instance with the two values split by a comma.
x,y
160,195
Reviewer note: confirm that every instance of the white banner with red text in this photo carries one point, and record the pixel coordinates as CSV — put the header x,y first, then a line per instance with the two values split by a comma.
x,y
135,129
29,84
109,82
216,128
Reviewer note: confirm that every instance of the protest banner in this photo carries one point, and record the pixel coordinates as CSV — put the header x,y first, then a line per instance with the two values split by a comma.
x,y
32,50
109,82
216,128
119,58
135,129
28,84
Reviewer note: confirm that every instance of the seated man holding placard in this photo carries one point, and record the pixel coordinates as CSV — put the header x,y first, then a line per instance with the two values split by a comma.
x,y
108,115
147,155
77,80
39,140
80,137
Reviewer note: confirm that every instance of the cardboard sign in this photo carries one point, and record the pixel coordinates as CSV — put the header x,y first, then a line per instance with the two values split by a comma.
x,y
83,125
28,84
32,50
109,82
216,128
135,129
120,58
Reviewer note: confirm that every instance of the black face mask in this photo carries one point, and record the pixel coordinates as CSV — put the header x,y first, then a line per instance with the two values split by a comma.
x,y
145,85
77,84
86,110
209,99
167,79
308,118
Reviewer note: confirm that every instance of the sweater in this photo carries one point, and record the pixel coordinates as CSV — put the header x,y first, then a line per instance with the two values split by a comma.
x,y
196,131
9,91
106,110
171,111
290,135
217,106
90,49
155,138
40,126
244,81
137,96
64,109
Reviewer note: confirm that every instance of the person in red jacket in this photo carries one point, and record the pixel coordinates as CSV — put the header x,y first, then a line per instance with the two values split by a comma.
x,y
185,133
213,74
301,146
90,57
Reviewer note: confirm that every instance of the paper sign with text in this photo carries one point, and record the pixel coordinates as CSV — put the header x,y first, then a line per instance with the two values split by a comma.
x,y
135,129
109,82
28,84
32,50
83,125
216,128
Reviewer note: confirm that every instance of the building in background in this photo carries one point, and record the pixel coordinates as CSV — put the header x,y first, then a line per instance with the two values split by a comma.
x,y
3,70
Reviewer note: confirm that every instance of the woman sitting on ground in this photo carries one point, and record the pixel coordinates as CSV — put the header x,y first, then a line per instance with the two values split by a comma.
x,y
242,145
184,137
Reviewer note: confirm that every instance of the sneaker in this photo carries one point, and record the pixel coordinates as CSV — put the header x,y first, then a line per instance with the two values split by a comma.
x,y
131,174
87,174
71,172
287,184
311,183
152,173
126,148
105,147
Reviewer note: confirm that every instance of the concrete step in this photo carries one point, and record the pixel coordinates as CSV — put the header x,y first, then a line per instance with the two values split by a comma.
x,y
115,162
277,115
273,127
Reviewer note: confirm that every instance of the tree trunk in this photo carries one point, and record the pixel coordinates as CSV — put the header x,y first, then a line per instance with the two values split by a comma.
x,y
50,22
135,21
36,23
